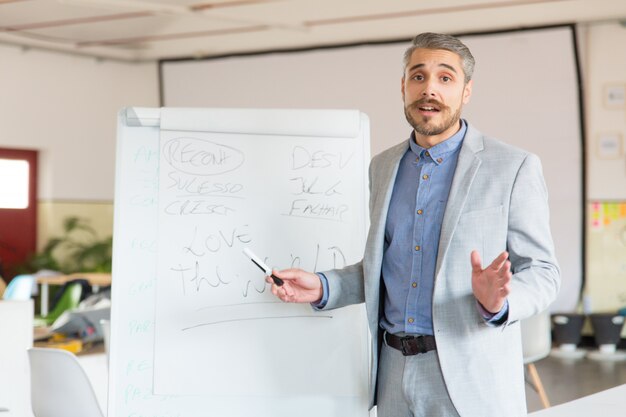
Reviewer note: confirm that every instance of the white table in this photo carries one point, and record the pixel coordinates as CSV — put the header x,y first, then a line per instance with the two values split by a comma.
x,y
609,403
96,280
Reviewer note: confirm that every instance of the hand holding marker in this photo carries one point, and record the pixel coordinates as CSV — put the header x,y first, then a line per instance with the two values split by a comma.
x,y
258,262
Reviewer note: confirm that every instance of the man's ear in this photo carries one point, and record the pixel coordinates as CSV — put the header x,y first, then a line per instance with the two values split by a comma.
x,y
467,91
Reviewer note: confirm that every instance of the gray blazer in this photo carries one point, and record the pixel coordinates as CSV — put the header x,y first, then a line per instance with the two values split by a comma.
x,y
498,201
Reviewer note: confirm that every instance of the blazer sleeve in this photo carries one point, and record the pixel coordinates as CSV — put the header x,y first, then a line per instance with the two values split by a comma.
x,y
345,286
536,276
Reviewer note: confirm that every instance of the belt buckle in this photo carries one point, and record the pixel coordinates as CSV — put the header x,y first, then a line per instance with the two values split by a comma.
x,y
412,345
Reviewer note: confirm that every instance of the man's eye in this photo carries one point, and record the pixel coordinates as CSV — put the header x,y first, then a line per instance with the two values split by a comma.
x,y
418,77
446,79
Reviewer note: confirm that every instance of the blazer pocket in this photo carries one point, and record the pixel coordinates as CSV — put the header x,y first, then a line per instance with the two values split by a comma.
x,y
482,213
484,230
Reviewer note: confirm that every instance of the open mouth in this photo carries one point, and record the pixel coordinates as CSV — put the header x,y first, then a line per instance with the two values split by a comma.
x,y
428,107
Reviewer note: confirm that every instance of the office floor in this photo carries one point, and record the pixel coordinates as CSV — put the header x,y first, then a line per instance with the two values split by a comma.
x,y
566,380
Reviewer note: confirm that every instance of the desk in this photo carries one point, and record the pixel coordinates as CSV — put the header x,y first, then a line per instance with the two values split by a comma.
x,y
609,403
95,279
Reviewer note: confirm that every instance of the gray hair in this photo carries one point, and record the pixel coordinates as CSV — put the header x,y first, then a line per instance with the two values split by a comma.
x,y
429,40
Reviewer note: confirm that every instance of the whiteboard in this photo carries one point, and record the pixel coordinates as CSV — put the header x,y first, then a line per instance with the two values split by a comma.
x,y
195,330
514,99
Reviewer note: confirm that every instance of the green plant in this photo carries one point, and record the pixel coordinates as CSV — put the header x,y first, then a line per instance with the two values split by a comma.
x,y
79,249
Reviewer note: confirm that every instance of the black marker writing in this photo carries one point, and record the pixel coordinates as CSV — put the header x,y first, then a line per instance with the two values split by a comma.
x,y
305,158
188,207
194,185
259,291
322,211
188,248
307,186
337,251
201,157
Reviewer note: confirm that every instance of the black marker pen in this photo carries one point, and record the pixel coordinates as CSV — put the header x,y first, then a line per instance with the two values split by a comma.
x,y
262,265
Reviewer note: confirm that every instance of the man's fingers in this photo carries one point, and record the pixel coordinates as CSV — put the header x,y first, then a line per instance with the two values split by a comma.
x,y
504,271
288,291
283,293
292,273
505,290
499,262
477,265
274,290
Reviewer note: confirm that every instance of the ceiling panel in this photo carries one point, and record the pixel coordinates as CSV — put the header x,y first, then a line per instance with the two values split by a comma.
x,y
140,30
31,11
138,27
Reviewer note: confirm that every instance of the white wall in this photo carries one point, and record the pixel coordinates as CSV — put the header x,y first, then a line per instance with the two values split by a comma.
x,y
66,107
605,65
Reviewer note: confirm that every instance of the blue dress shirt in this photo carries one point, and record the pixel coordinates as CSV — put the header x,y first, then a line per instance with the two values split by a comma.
x,y
419,198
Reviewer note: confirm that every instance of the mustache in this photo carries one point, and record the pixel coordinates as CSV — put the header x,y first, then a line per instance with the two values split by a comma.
x,y
426,101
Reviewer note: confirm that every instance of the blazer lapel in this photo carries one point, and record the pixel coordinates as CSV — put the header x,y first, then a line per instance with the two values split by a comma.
x,y
466,169
382,191
387,181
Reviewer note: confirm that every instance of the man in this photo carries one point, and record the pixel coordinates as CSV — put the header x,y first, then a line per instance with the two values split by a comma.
x,y
445,330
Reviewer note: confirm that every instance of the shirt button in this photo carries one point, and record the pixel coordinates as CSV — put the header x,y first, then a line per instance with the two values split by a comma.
x,y
417,159
419,211
426,153
440,160
411,320
417,247
425,176
414,285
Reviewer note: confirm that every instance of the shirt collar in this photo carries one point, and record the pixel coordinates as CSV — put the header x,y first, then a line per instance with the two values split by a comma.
x,y
442,150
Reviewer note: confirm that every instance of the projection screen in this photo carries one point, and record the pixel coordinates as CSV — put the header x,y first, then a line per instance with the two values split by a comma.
x,y
525,93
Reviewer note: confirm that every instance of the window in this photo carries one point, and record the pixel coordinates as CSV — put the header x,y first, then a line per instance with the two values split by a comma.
x,y
13,184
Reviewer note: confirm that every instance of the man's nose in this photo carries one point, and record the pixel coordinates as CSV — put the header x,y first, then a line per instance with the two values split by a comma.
x,y
428,91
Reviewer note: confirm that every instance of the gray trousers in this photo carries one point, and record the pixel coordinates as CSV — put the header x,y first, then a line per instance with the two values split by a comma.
x,y
412,386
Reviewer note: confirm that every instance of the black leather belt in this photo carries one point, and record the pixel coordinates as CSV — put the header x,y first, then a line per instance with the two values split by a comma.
x,y
411,345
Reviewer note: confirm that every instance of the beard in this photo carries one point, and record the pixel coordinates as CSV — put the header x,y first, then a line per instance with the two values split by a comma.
x,y
422,125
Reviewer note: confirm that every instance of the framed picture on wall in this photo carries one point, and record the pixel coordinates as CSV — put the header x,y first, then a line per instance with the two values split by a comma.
x,y
614,96
609,146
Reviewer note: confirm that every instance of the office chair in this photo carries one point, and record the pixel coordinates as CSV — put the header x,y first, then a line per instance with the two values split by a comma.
x,y
20,288
68,300
59,385
536,345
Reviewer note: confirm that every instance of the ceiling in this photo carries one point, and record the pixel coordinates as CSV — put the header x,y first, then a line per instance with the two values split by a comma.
x,y
146,30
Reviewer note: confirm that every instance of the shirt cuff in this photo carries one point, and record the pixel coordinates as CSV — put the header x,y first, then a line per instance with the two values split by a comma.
x,y
322,303
494,319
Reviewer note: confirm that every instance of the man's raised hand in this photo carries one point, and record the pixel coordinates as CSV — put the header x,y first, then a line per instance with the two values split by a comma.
x,y
491,285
